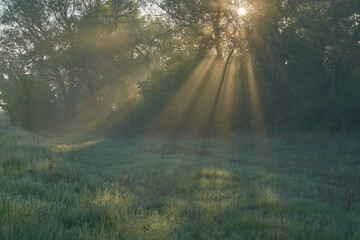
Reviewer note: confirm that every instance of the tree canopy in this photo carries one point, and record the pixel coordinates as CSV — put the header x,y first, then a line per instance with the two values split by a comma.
x,y
130,64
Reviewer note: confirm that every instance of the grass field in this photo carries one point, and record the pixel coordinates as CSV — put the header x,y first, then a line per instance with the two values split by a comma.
x,y
285,187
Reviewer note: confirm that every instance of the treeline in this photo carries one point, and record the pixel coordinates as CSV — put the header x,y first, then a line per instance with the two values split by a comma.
x,y
178,66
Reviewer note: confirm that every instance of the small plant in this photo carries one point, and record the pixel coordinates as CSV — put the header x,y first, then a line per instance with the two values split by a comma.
x,y
124,182
215,166
52,172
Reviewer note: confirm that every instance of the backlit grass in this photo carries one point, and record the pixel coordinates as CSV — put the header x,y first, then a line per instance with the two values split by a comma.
x,y
156,188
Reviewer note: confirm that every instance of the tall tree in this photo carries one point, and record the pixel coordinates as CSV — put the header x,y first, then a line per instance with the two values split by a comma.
x,y
210,25
62,40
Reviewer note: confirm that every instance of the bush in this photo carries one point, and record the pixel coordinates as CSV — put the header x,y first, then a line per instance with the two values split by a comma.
x,y
28,101
140,113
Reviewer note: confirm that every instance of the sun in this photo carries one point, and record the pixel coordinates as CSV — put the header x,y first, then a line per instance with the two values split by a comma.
x,y
242,11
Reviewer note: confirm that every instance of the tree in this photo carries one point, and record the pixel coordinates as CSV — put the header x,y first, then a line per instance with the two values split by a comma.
x,y
209,25
332,30
27,100
65,42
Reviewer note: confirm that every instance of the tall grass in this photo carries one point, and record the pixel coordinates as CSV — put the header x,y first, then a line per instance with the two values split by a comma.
x,y
156,188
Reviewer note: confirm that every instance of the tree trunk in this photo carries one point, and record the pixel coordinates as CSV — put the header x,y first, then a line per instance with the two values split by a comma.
x,y
70,107
92,95
334,64
217,37
333,81
226,66
70,100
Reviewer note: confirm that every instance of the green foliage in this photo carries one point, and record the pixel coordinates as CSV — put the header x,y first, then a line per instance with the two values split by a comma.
x,y
28,101
162,84
75,47
137,116
304,56
314,109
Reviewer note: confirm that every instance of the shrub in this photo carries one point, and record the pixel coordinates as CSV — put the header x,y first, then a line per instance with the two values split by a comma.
x,y
28,101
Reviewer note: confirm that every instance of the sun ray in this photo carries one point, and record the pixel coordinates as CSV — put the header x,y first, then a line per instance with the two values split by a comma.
x,y
255,101
199,119
226,109
220,117
175,111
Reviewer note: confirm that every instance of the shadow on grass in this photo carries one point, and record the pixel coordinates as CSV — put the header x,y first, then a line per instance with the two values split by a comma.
x,y
205,192
154,188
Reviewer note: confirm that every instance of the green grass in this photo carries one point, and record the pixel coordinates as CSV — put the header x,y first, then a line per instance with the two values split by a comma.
x,y
157,188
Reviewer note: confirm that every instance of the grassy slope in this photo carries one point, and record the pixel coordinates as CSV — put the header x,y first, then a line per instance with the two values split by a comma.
x,y
149,188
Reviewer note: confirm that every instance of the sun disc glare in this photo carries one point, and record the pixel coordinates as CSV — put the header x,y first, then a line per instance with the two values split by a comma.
x,y
242,11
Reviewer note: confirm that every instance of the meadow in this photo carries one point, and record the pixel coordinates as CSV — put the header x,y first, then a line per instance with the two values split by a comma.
x,y
286,186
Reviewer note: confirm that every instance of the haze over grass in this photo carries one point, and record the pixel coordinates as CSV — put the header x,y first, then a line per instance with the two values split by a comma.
x,y
154,188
